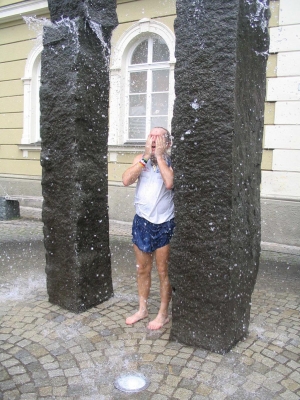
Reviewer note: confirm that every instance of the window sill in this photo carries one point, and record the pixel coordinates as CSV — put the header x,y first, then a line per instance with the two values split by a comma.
x,y
125,148
29,147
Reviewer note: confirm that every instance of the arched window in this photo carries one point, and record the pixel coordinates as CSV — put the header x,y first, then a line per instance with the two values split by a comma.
x,y
148,87
31,80
142,82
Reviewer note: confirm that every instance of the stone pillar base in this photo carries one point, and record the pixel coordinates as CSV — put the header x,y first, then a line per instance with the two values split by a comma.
x,y
9,209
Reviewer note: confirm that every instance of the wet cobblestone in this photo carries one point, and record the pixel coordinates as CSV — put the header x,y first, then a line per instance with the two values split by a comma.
x,y
49,353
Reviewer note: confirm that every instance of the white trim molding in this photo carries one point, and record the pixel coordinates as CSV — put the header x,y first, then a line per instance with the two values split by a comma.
x,y
31,95
18,10
29,147
146,26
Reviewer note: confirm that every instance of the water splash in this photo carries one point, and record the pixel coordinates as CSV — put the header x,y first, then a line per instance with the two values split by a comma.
x,y
198,8
71,24
97,29
37,24
259,331
67,333
257,16
3,191
195,105
20,289
264,54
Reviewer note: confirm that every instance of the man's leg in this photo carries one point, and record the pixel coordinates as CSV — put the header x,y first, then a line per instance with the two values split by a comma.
x,y
162,261
144,266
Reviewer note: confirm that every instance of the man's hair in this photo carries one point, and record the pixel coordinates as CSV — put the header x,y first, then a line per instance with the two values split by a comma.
x,y
167,134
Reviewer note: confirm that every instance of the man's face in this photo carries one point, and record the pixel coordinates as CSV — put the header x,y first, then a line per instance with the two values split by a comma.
x,y
155,132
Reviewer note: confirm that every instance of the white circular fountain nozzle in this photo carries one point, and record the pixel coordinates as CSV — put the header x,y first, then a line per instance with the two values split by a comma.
x,y
131,382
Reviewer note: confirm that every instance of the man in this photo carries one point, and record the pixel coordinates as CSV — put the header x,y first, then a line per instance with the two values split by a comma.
x,y
153,223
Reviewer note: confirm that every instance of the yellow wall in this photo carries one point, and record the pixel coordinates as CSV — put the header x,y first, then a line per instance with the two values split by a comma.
x,y
274,9
9,2
272,66
17,167
129,13
134,11
11,120
267,160
16,33
10,136
16,42
11,88
122,27
12,104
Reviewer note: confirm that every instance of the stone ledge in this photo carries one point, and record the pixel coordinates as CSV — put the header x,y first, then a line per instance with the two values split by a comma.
x,y
280,248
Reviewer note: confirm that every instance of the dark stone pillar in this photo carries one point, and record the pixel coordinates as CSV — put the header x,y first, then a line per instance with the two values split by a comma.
x,y
74,128
221,53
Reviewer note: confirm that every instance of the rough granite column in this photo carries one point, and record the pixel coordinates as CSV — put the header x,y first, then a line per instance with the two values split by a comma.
x,y
221,53
74,129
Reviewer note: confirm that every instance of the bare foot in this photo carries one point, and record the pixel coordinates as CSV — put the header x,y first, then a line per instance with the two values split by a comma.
x,y
136,317
158,322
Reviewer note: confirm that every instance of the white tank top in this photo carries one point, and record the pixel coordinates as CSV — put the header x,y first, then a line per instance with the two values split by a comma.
x,y
153,201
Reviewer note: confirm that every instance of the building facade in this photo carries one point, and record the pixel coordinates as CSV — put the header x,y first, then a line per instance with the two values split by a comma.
x,y
142,96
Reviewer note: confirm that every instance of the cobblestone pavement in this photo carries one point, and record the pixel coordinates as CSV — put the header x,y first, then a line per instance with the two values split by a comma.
x,y
49,353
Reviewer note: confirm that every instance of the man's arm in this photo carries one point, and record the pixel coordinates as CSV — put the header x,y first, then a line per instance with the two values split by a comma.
x,y
166,172
132,173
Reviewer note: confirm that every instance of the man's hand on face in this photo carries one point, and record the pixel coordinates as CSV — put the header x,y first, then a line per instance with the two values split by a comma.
x,y
148,147
160,146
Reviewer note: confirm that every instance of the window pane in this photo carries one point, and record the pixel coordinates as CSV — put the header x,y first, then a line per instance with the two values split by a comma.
x,y
137,128
138,82
137,104
160,50
140,54
159,121
159,104
160,81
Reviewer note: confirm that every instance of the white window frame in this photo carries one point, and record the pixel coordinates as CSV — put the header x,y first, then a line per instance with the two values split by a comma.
x,y
31,81
149,68
118,121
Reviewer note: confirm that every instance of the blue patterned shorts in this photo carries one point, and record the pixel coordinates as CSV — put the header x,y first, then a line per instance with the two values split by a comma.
x,y
148,236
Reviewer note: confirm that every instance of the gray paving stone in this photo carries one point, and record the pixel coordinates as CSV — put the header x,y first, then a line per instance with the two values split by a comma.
x,y
27,388
28,396
21,379
7,385
188,384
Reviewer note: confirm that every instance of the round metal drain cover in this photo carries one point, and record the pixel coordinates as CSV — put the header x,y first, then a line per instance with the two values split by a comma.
x,y
131,382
